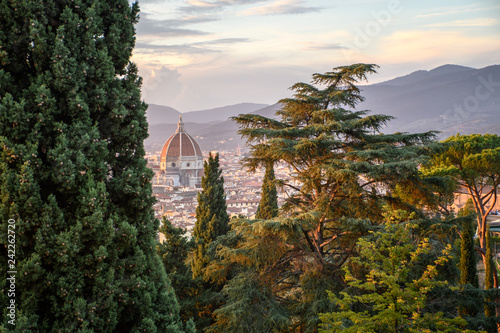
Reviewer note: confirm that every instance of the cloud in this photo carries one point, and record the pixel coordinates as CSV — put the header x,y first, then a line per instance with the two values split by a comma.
x,y
316,46
161,84
199,6
171,28
446,11
438,46
477,22
281,7
208,46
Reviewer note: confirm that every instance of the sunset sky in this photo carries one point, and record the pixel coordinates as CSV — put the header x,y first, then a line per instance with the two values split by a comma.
x,y
203,54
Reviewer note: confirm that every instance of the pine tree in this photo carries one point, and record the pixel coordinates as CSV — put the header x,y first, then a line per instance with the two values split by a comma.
x,y
473,162
211,213
268,205
344,170
390,283
74,177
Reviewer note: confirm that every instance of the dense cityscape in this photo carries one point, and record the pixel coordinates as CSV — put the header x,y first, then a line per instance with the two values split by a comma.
x,y
178,203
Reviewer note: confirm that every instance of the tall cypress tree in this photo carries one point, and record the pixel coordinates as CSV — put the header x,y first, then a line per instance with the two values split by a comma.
x,y
489,310
211,214
73,173
468,270
268,205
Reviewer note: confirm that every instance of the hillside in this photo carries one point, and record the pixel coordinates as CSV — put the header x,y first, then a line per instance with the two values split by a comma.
x,y
158,114
450,98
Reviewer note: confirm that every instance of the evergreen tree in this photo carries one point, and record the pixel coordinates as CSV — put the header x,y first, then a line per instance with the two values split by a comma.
x,y
344,170
73,173
268,205
489,310
390,284
473,161
468,270
174,254
212,220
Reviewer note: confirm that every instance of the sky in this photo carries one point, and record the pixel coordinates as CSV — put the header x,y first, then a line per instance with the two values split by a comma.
x,y
202,54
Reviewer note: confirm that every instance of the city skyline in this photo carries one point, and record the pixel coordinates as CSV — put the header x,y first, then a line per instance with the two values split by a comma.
x,y
202,54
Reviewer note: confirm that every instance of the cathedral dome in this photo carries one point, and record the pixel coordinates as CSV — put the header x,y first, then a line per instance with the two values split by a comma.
x,y
180,144
181,158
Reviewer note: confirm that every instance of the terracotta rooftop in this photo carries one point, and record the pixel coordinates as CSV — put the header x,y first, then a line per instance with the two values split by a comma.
x,y
180,144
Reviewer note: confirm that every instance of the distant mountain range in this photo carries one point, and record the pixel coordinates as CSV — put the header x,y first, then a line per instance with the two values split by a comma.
x,y
451,99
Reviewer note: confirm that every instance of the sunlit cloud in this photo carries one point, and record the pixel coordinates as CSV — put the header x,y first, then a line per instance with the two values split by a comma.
x,y
432,44
198,6
318,46
208,46
281,7
448,11
477,22
151,28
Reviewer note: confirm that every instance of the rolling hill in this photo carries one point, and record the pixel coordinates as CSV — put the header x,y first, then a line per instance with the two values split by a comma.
x,y
450,99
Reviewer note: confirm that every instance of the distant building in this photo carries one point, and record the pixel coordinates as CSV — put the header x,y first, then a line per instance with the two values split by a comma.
x,y
181,158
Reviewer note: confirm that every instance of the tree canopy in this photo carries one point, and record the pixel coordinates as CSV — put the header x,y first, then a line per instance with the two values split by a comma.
x,y
343,171
73,174
390,281
473,162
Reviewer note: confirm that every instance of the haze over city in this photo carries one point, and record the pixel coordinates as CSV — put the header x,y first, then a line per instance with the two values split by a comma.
x,y
196,55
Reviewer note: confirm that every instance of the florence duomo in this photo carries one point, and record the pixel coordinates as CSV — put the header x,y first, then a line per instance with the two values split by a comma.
x,y
181,159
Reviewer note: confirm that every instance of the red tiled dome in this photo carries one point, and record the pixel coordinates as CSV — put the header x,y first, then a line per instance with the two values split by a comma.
x,y
180,144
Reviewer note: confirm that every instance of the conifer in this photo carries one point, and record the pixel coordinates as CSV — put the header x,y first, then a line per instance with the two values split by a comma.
x,y
489,310
211,213
344,170
73,173
268,205
212,222
473,162
174,252
468,270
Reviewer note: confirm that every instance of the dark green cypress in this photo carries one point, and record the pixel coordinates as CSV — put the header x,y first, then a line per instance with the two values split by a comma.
x,y
174,254
489,310
212,219
468,270
268,205
74,177
488,272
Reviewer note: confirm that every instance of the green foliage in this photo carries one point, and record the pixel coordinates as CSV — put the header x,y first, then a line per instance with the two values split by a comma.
x,y
211,213
250,260
468,270
489,310
268,205
344,171
473,161
389,284
212,221
73,173
174,252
